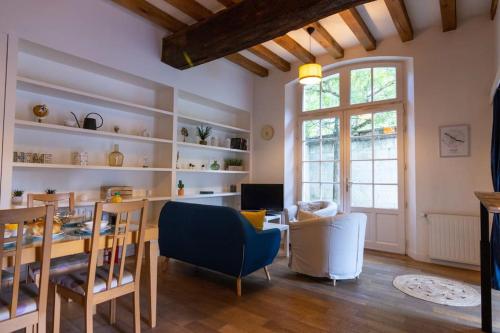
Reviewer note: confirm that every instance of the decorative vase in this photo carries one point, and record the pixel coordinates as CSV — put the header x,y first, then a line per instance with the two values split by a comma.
x,y
203,142
17,200
180,192
115,157
232,188
215,166
116,198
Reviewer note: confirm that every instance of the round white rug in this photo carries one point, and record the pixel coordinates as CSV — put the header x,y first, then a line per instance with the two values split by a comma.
x,y
438,290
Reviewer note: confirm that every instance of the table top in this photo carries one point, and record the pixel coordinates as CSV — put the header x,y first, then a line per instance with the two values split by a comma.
x,y
490,200
73,241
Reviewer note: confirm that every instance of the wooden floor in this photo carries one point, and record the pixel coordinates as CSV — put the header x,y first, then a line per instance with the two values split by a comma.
x,y
195,300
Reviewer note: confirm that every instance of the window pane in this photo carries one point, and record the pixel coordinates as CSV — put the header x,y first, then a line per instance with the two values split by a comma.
x,y
385,146
386,196
361,85
311,97
386,172
361,171
330,128
327,192
330,150
385,122
328,172
361,148
361,124
384,83
310,192
361,195
311,150
330,91
310,129
310,171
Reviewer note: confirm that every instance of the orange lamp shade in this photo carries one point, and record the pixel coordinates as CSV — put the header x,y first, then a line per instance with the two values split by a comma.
x,y
310,74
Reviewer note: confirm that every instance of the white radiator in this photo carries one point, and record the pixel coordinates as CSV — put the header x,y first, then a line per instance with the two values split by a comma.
x,y
454,238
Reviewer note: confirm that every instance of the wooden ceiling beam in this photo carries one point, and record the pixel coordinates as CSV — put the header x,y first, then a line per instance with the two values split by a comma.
x,y
323,37
191,8
159,17
244,25
264,53
401,20
199,13
285,41
358,27
153,14
289,44
448,14
493,9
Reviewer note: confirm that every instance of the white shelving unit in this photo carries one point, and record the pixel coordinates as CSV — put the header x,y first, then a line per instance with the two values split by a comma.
x,y
66,83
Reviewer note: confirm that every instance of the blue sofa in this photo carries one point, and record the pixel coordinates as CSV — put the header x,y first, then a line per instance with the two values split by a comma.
x,y
215,237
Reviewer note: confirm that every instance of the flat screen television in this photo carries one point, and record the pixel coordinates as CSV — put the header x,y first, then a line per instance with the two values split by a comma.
x,y
262,196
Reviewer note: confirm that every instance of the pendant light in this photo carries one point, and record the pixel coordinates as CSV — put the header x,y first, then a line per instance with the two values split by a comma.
x,y
310,73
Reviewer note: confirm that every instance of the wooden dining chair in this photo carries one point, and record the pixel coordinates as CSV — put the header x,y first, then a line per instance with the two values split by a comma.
x,y
63,264
24,305
54,199
95,285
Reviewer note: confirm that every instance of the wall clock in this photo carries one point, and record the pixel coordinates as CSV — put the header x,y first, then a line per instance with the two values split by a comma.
x,y
267,132
454,141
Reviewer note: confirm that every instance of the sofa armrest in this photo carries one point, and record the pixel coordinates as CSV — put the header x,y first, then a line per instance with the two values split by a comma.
x,y
261,248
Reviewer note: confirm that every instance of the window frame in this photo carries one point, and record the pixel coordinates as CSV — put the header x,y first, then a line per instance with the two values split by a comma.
x,y
342,110
345,87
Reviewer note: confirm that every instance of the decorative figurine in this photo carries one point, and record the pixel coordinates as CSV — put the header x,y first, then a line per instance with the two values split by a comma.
x,y
184,133
40,111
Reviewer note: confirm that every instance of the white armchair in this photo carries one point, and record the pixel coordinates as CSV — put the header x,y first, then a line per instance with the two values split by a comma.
x,y
326,208
329,247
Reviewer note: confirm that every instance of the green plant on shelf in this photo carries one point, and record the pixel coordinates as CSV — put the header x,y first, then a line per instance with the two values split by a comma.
x,y
50,191
203,133
17,193
180,184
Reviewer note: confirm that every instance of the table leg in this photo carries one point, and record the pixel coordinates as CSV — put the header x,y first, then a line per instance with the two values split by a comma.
x,y
486,320
152,275
287,243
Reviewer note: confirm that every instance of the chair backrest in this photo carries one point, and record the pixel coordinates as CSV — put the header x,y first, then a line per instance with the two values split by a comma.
x,y
53,199
118,241
19,217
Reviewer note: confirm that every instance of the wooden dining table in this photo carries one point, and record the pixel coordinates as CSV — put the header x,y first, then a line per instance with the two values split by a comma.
x,y
73,242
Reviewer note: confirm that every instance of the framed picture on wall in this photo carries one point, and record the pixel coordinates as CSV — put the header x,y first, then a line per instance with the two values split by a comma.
x,y
454,141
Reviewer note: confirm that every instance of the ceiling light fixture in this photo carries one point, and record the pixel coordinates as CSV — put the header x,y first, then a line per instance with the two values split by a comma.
x,y
310,73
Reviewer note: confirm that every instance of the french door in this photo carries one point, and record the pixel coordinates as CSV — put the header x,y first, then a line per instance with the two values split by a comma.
x,y
374,182
356,158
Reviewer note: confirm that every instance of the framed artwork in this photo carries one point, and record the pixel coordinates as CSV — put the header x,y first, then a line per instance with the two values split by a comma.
x,y
454,141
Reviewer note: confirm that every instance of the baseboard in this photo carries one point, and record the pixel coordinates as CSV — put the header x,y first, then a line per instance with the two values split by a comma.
x,y
425,258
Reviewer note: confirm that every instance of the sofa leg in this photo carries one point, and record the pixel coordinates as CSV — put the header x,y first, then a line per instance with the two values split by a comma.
x,y
238,286
267,273
164,264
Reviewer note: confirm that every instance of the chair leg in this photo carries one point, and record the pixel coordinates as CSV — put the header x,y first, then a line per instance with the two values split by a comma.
x,y
164,265
238,286
112,311
267,273
334,282
56,319
89,319
137,312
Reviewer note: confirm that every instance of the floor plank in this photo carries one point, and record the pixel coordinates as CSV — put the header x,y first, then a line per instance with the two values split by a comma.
x,y
192,299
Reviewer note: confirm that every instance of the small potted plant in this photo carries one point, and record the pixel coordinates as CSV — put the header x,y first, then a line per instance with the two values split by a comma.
x,y
233,164
50,191
204,133
17,197
184,133
180,188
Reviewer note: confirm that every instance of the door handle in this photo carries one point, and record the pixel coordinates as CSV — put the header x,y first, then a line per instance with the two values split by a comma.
x,y
347,183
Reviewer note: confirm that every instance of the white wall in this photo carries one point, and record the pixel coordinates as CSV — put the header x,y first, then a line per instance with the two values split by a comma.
x,y
453,72
103,32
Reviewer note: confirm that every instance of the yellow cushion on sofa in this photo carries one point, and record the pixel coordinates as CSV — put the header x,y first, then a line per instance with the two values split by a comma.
x,y
256,218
